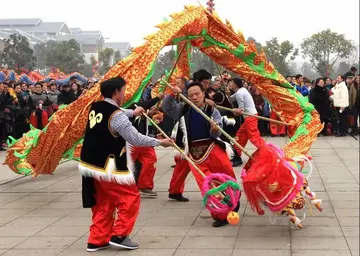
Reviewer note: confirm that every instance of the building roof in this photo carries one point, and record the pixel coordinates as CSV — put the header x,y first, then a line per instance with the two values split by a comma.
x,y
19,22
5,34
119,46
84,39
42,27
91,32
75,30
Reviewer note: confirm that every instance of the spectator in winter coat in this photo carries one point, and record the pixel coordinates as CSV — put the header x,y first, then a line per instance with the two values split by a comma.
x,y
319,97
66,96
340,98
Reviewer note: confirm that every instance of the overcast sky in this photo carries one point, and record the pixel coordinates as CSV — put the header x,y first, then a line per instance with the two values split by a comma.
x,y
122,20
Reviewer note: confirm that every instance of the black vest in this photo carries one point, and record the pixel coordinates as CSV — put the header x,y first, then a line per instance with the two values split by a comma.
x,y
100,142
208,110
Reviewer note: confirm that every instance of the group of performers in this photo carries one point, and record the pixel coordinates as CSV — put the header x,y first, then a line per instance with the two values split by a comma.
x,y
116,138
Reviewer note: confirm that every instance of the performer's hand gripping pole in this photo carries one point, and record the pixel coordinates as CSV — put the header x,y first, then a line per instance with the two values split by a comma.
x,y
179,150
209,119
174,144
258,117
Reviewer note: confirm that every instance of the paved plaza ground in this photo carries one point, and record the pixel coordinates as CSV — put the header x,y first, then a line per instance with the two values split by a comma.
x,y
44,216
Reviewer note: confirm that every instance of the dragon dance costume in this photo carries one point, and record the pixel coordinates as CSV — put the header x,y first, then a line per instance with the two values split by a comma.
x,y
208,152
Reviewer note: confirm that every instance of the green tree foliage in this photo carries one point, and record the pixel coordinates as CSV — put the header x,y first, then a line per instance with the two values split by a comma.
x,y
17,53
64,55
325,48
280,54
117,56
308,71
105,58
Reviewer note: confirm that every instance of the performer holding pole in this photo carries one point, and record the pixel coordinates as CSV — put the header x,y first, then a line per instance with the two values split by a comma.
x,y
199,138
249,129
107,169
146,156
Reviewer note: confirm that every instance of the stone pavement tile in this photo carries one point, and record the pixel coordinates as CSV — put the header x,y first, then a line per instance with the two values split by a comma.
x,y
10,197
203,221
208,230
349,221
40,197
317,231
9,230
6,220
81,212
64,230
146,252
171,221
337,204
62,205
355,253
342,186
264,221
176,212
353,243
351,231
208,242
44,212
320,221
347,212
25,252
23,205
264,231
33,221
163,231
315,252
252,252
38,242
201,252
73,221
320,243
11,241
15,213
343,196
83,252
183,205
3,251
274,243
68,197
158,242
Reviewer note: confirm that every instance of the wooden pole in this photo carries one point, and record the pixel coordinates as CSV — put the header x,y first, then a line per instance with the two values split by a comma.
x,y
174,144
209,119
199,171
258,117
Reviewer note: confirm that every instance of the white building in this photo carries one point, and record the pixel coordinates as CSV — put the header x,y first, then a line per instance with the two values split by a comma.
x,y
38,31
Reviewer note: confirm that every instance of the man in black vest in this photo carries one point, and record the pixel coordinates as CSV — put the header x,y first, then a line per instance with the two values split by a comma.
x,y
200,139
107,169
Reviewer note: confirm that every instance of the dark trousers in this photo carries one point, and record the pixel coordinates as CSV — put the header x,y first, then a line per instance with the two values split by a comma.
x,y
167,124
2,132
343,125
355,113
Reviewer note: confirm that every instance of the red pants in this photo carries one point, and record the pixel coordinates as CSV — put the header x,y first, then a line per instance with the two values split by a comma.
x,y
276,129
111,196
249,131
178,178
147,157
216,162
